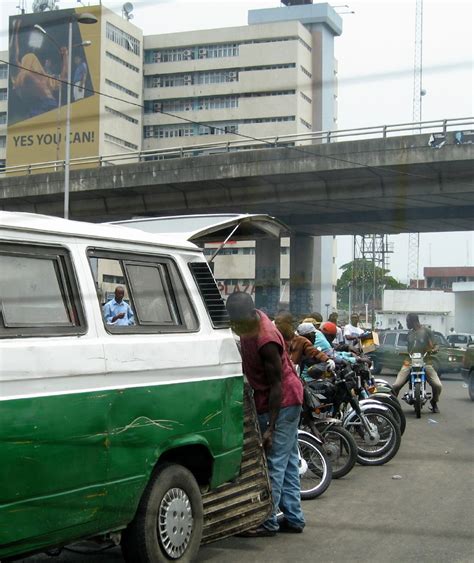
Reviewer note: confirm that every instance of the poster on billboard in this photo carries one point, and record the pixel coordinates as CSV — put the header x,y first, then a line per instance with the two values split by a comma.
x,y
37,89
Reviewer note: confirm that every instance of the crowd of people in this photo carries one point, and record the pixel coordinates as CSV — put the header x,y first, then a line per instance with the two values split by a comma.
x,y
276,356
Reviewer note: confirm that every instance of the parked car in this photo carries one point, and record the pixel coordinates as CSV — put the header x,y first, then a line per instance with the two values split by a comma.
x,y
467,370
393,343
460,339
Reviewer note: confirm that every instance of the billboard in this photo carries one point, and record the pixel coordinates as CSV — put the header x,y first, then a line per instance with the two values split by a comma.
x,y
37,88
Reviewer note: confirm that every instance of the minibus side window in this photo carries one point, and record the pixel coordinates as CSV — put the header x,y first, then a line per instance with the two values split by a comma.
x,y
37,292
155,304
153,292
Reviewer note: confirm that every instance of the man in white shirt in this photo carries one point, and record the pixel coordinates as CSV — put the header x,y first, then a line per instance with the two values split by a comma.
x,y
352,331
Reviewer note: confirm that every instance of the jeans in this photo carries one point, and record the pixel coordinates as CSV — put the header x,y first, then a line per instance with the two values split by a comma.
x,y
431,376
283,467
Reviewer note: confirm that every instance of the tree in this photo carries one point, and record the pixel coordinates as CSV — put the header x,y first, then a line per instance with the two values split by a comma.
x,y
359,275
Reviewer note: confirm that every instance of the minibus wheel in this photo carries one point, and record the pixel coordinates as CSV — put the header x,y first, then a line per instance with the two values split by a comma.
x,y
169,520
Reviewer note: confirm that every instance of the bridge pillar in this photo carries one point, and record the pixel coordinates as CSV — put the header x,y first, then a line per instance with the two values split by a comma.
x,y
267,274
311,272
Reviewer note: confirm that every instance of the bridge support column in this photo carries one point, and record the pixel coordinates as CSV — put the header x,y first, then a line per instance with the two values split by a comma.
x,y
311,272
267,274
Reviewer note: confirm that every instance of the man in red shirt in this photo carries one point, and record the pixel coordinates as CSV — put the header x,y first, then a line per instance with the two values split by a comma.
x,y
278,395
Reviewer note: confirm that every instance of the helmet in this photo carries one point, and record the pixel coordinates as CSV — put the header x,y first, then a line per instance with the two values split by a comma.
x,y
329,328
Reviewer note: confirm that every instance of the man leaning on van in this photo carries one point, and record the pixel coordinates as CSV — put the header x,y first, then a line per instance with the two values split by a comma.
x,y
118,312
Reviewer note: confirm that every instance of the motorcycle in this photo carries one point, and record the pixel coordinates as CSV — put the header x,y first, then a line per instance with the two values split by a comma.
x,y
376,433
368,390
338,443
417,394
314,466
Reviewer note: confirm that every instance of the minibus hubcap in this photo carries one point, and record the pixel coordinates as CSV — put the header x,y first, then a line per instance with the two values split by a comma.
x,y
175,522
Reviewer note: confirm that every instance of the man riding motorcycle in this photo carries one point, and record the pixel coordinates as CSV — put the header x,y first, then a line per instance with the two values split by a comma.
x,y
420,339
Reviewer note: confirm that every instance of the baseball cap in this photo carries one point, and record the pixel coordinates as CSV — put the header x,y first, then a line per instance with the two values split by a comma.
x,y
305,328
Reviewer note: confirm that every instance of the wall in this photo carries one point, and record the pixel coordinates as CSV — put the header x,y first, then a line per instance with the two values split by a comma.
x,y
434,308
121,122
464,306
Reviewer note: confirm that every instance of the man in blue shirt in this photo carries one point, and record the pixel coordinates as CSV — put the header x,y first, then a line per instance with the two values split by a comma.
x,y
117,312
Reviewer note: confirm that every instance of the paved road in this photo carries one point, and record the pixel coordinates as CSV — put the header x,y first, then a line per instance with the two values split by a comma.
x,y
427,516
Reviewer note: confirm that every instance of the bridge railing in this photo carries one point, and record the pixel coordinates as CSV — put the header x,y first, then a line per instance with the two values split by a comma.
x,y
203,149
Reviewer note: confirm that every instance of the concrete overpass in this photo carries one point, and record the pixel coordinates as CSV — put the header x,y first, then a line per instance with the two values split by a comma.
x,y
390,185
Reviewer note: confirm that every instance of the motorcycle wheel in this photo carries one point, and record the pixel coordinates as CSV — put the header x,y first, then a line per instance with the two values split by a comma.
x,y
417,403
387,445
341,449
395,408
315,467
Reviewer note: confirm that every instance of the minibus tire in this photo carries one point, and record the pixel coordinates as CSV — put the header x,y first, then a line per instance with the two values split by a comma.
x,y
172,501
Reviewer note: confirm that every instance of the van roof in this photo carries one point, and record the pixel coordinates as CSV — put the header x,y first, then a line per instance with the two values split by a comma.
x,y
32,222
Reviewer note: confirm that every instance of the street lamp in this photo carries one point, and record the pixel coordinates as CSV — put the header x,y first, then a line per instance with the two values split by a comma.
x,y
84,18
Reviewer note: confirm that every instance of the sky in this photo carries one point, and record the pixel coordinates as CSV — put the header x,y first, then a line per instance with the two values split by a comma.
x,y
375,54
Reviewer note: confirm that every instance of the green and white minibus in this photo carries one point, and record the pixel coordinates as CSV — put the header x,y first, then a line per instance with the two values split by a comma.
x,y
108,428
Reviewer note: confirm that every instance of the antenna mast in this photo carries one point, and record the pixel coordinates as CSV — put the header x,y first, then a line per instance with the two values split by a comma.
x,y
418,93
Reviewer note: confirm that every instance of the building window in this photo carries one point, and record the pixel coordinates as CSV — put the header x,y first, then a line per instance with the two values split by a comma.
x,y
121,115
3,71
3,163
208,77
263,94
122,62
3,117
168,131
121,88
213,128
218,51
305,123
303,42
306,98
121,142
3,141
3,94
123,39
216,77
308,74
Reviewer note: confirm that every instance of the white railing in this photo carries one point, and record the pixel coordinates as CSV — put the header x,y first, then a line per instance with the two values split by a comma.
x,y
378,131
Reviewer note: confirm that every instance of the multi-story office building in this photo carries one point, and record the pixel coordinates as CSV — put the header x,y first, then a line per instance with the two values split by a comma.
x,y
253,81
266,79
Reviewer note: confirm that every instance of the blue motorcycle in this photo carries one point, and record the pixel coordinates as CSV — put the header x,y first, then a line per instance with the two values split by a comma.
x,y
417,394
